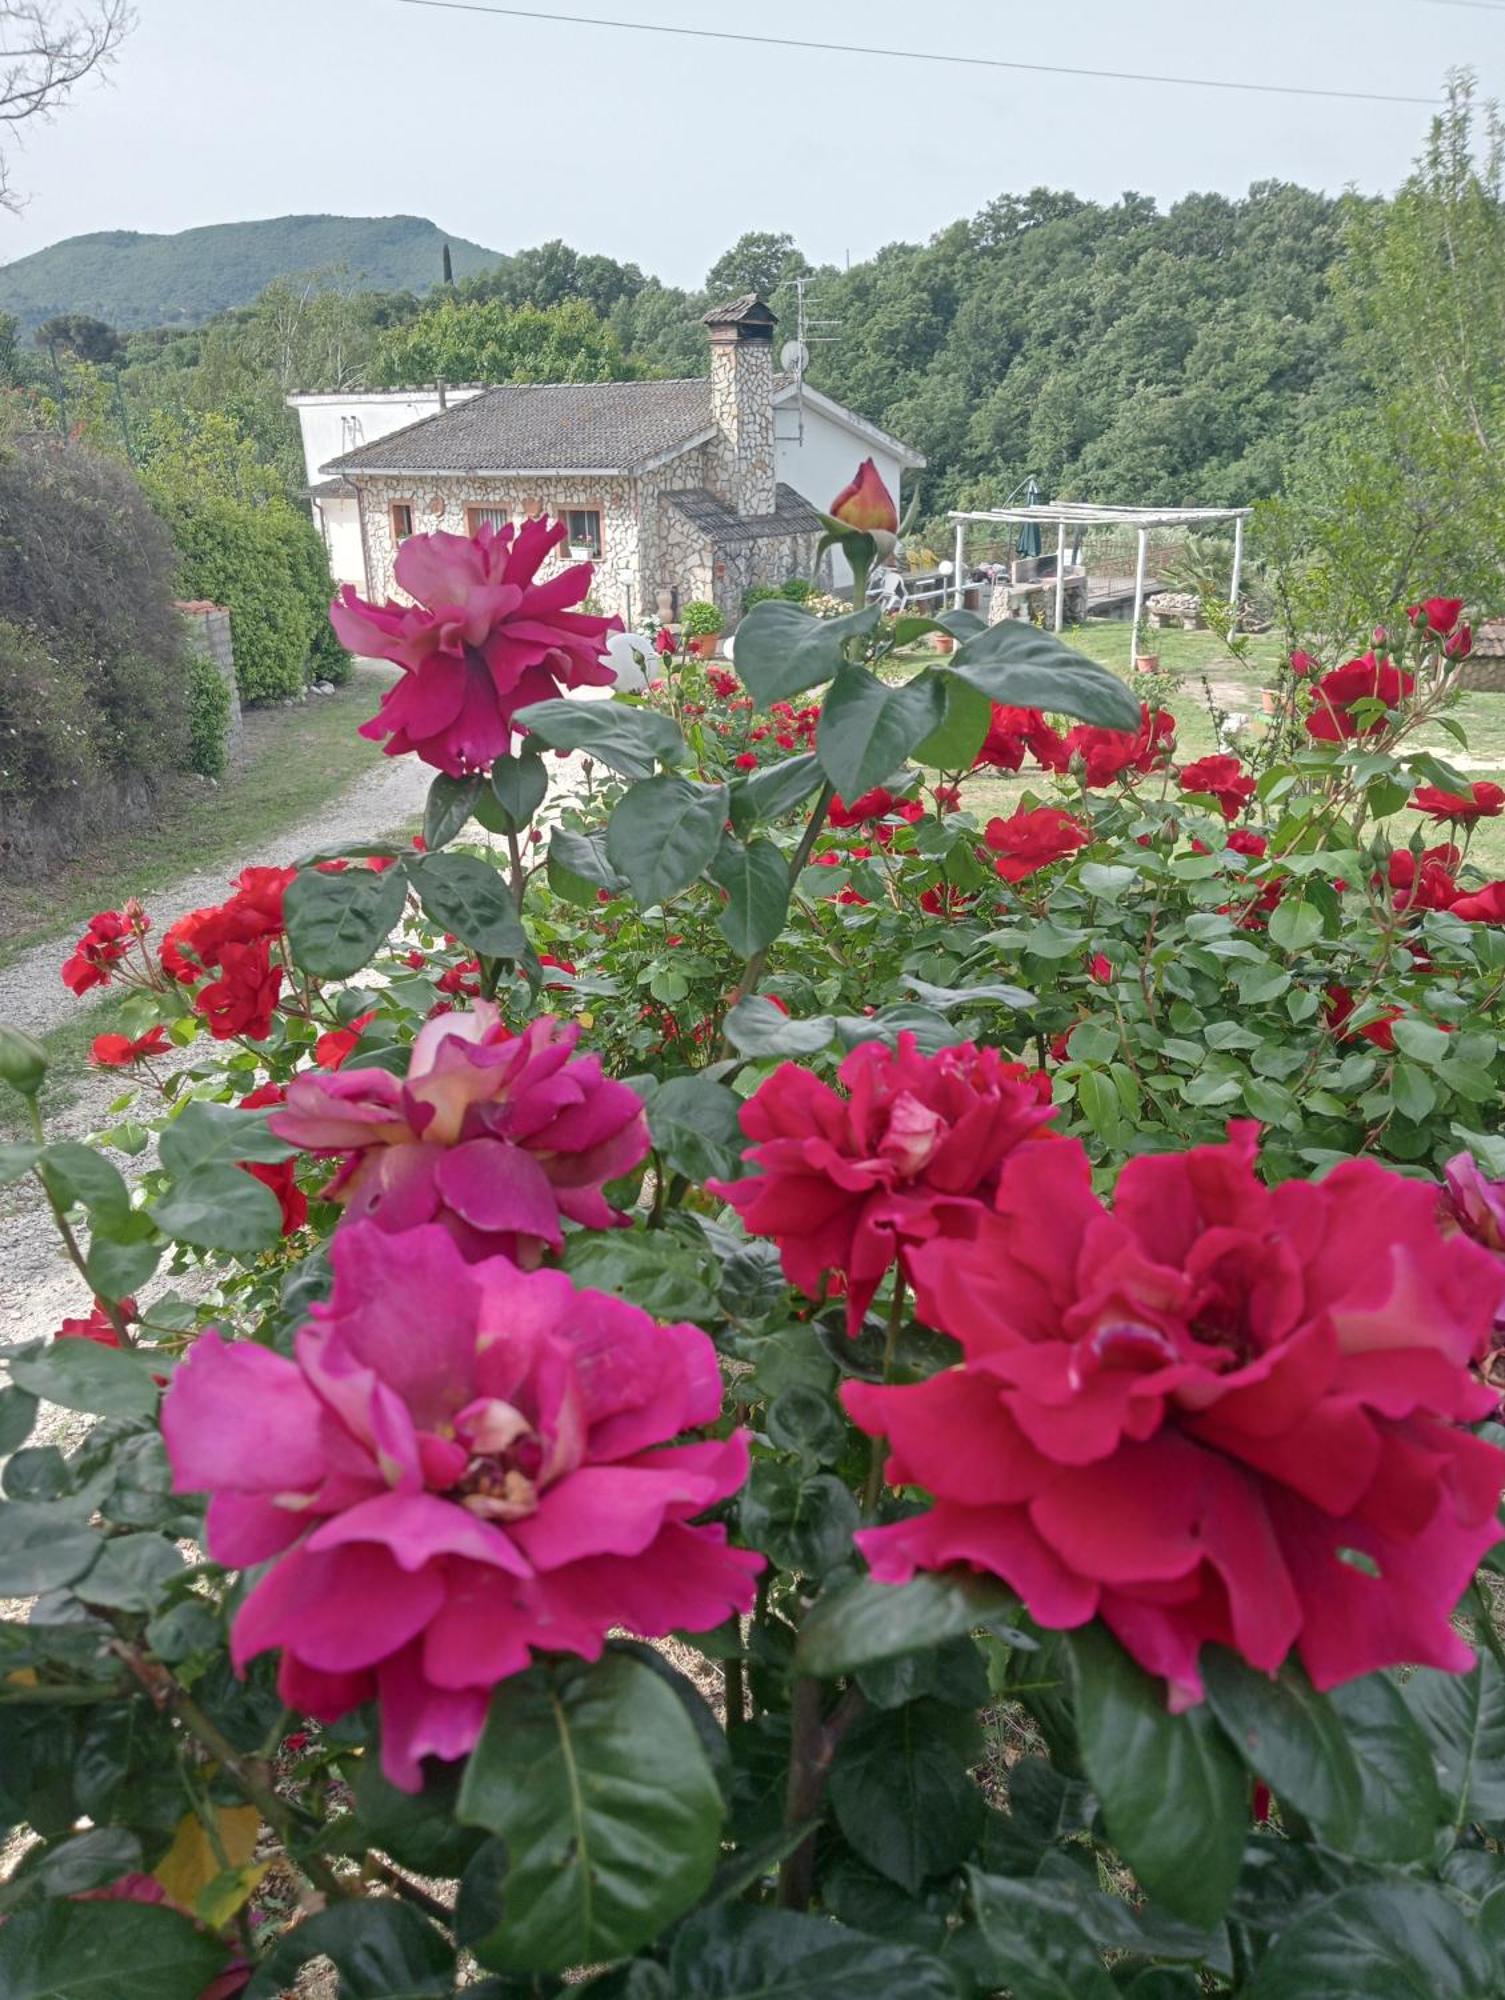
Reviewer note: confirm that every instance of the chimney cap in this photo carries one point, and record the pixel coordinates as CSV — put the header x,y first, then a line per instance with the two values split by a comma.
x,y
748,312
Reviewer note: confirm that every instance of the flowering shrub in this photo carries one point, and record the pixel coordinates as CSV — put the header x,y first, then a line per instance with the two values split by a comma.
x,y
698,1280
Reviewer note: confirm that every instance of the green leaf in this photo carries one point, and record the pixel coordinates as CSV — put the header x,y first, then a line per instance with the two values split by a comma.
x,y
756,879
957,623
652,1269
338,923
1421,1041
519,785
1035,1947
74,1172
220,1208
944,998
209,1135
87,1861
463,894
131,1572
1173,1793
803,1523
868,726
902,1791
1294,925
43,1545
696,1126
955,741
1400,1805
578,867
18,1414
663,832
866,1621
117,1268
597,1781
113,1950
1014,663
1387,1941
755,1027
382,1949
782,650
417,1830
629,739
19,1156
741,1952
776,790
83,1375
448,808
1462,1717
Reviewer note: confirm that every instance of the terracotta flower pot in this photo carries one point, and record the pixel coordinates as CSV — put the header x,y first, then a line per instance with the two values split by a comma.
x,y
941,642
703,645
1147,663
1267,700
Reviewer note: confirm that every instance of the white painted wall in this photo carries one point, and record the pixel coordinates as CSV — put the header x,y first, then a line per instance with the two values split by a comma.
x,y
820,467
341,420
339,521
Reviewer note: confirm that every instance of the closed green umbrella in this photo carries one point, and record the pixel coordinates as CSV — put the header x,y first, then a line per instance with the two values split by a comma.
x,y
1029,532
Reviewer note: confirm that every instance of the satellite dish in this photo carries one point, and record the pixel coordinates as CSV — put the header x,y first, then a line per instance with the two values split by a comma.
x,y
794,357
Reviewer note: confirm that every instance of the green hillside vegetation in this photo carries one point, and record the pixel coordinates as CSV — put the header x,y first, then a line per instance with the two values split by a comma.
x,y
133,280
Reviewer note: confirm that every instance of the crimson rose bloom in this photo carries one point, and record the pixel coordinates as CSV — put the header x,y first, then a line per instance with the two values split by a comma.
x,y
1220,778
98,951
276,1175
195,943
484,640
1029,841
1107,754
1482,906
1339,1007
243,1000
98,1326
1481,801
872,805
120,1051
1438,614
1426,884
1223,1414
1012,732
1242,841
1365,679
851,1184
497,1136
465,1464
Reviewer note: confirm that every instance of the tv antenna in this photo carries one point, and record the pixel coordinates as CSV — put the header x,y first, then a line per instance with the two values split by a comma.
x,y
794,356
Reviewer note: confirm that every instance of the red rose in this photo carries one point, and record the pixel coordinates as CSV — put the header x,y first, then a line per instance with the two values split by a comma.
x,y
98,1327
1338,1008
852,1183
1100,969
1220,778
943,899
865,503
871,805
278,1175
337,1045
243,1000
1187,1416
1458,645
746,761
1482,906
1428,885
1029,841
1242,841
1013,731
1481,801
663,640
1106,754
1438,614
100,949
119,1051
1305,665
1366,679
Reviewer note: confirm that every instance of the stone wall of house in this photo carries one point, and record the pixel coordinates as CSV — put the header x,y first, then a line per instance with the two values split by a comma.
x,y
669,549
772,559
442,504
742,452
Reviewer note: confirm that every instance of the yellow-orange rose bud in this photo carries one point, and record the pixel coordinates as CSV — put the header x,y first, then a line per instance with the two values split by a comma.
x,y
866,503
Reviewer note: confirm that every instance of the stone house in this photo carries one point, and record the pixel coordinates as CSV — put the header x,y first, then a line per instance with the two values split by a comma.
x,y
676,490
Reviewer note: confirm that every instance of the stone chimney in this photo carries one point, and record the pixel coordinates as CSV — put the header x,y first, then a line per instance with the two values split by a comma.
x,y
741,452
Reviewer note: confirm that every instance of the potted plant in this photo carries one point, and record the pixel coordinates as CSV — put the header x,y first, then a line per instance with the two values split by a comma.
x,y
701,626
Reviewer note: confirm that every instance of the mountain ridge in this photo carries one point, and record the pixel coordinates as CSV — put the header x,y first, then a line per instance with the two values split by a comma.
x,y
139,278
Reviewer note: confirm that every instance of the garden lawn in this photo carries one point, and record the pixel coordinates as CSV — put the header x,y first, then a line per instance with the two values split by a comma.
x,y
1202,662
295,759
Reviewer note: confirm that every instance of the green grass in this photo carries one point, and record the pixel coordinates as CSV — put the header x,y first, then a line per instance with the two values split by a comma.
x,y
296,760
1202,662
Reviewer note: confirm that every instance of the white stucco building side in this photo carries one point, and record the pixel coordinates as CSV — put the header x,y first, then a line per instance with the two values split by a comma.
x,y
818,446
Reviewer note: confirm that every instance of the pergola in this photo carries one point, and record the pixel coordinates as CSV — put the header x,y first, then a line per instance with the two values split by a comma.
x,y
1064,514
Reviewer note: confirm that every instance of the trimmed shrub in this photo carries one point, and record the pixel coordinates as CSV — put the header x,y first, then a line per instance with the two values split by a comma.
x,y
309,561
208,716
241,556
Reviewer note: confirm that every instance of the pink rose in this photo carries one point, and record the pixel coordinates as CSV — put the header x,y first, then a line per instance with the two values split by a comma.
x,y
1222,1414
483,640
465,1464
497,1136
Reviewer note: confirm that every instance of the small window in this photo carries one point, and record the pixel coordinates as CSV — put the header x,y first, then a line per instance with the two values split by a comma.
x,y
495,518
402,520
583,526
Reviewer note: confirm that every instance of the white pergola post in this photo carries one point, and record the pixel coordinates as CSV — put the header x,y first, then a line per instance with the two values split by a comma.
x,y
1238,571
1139,568
958,578
1060,574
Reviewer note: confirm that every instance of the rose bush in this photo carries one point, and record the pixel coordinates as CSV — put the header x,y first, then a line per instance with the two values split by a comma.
x,y
739,1372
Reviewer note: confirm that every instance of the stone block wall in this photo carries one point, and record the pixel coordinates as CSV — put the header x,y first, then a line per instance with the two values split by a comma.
x,y
208,631
742,452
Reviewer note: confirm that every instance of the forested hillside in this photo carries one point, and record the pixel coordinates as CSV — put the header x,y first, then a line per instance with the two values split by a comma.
x,y
132,280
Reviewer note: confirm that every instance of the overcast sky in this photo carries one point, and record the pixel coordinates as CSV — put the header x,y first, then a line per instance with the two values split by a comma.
x,y
661,150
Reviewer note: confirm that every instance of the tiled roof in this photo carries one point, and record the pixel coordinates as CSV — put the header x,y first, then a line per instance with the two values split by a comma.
x,y
1489,640
608,427
330,489
792,515
749,309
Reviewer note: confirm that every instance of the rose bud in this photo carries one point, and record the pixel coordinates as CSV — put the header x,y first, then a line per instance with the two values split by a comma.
x,y
866,504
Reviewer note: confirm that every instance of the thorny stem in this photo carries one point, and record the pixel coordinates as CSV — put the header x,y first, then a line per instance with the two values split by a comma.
x,y
112,1311
813,1744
